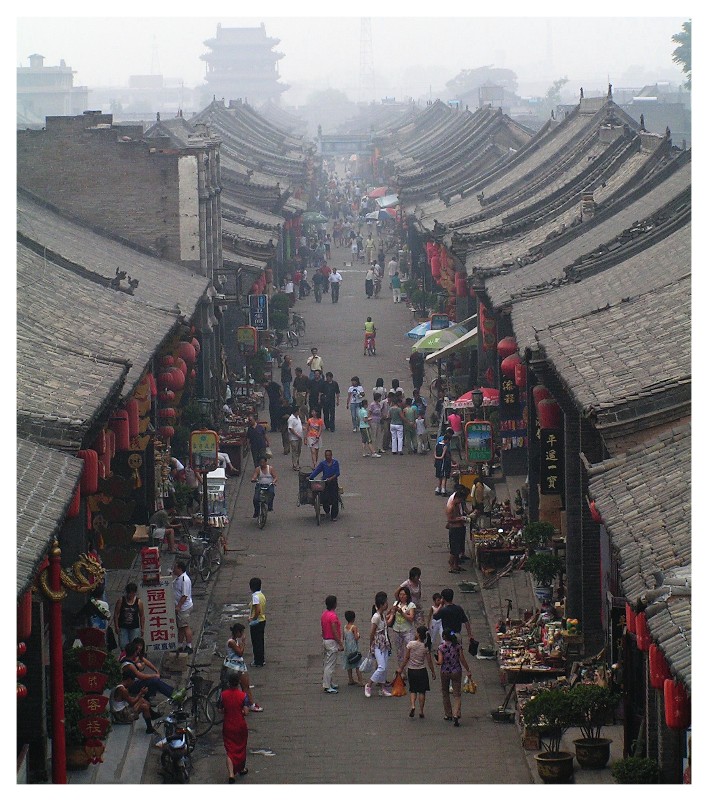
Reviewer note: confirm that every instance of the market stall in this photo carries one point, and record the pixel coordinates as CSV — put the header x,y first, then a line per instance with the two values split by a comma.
x,y
245,400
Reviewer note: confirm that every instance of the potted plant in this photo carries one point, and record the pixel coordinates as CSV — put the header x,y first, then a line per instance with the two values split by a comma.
x,y
544,567
636,769
592,705
551,713
536,535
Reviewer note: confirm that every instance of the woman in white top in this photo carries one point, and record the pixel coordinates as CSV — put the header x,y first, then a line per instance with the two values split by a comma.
x,y
401,617
379,646
264,475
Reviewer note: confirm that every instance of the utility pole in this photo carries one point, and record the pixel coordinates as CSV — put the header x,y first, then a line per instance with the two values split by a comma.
x,y
366,75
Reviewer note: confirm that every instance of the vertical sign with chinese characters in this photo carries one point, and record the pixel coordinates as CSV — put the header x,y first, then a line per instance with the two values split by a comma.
x,y
203,450
160,617
551,461
258,311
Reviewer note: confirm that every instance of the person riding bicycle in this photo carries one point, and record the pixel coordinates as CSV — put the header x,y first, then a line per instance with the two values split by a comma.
x,y
264,475
369,337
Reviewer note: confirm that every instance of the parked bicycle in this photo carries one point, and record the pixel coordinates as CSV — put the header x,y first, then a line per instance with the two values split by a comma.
x,y
298,325
204,554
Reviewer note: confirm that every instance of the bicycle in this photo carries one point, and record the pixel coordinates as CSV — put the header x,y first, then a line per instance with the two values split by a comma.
x,y
299,326
196,696
369,346
263,499
204,555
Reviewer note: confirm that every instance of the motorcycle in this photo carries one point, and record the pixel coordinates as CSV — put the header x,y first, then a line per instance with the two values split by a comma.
x,y
177,744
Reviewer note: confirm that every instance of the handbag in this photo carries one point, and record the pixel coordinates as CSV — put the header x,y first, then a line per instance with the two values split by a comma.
x,y
469,685
398,688
368,664
353,659
473,646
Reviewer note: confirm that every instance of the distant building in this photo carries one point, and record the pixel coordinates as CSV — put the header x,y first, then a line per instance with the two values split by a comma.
x,y
47,91
242,64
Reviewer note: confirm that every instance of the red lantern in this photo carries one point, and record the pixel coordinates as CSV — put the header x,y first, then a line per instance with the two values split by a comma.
x,y
549,414
75,505
195,344
181,365
153,384
100,444
178,378
677,705
120,426
187,352
507,346
133,417
658,667
643,637
21,648
508,365
435,267
594,513
166,432
21,669
91,637
21,691
630,619
460,284
164,379
166,396
24,616
540,392
167,361
521,375
167,413
89,476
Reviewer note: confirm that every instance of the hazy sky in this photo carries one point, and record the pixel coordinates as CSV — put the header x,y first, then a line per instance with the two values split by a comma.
x,y
409,52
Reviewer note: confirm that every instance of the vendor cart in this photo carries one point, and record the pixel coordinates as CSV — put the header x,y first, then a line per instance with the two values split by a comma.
x,y
310,491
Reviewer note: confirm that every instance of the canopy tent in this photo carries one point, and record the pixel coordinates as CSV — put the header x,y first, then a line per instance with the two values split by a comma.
x,y
491,398
381,214
314,216
435,340
467,339
419,331
377,192
387,200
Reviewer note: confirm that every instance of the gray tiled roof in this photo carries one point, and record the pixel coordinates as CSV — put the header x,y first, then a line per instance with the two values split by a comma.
x,y
625,353
505,288
59,306
46,480
664,263
163,284
644,499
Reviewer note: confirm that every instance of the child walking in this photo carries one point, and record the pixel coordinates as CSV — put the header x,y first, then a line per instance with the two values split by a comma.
x,y
352,657
423,444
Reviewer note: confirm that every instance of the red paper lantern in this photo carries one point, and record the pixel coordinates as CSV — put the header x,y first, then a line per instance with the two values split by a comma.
x,y
167,361
21,669
549,414
195,344
167,413
100,444
435,267
153,384
24,616
677,705
120,426
630,619
166,432
92,682
521,375
460,284
178,378
166,396
21,691
75,505
659,669
133,417
643,637
507,346
165,379
508,366
187,352
21,648
181,365
540,392
89,476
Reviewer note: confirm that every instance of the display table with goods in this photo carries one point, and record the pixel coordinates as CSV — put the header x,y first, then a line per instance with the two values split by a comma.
x,y
493,547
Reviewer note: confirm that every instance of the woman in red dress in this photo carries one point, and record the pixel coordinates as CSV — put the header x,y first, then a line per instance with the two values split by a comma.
x,y
235,729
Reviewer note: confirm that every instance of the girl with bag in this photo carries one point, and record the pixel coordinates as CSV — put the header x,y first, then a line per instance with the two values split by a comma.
x,y
352,657
379,646
451,658
234,664
417,653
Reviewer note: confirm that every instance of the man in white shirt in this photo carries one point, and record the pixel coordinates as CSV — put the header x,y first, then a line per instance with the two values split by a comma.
x,y
183,605
315,362
294,432
335,283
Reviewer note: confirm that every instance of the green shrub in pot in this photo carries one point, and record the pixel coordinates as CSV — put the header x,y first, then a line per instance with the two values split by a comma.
x,y
636,769
537,534
544,567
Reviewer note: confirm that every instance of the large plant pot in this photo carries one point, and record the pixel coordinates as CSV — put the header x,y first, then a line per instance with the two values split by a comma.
x,y
555,767
592,753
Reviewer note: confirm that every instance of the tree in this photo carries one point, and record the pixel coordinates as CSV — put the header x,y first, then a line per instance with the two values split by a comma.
x,y
682,54
470,79
552,98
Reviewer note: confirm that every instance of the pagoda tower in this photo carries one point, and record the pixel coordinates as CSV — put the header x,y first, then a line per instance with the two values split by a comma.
x,y
242,64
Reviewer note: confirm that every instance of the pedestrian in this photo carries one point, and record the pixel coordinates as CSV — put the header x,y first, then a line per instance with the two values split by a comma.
x,y
364,427
393,271
396,388
300,386
145,673
234,662
235,729
316,386
417,369
129,616
380,388
385,421
330,400
423,444
374,418
352,655
414,584
354,248
457,515
443,464
476,496
163,528
370,248
335,283
256,621
435,625
296,435
395,414
451,659
257,439
126,704
395,285
417,652
379,646
330,471
377,279
332,643
451,615
410,434
315,426
368,282
183,605
400,619
289,290
264,475
286,378
356,393
315,362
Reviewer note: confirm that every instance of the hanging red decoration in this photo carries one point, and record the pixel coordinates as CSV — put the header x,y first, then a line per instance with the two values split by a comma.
x,y
167,361
91,658
165,379
167,413
75,505
677,705
460,283
101,467
594,513
521,375
508,365
444,261
21,691
541,392
658,667
21,669
24,617
94,750
630,619
435,267
488,329
95,727
166,396
643,637
21,646
187,352
550,414
507,346
133,417
121,428
178,378
153,384
166,432
89,476
181,365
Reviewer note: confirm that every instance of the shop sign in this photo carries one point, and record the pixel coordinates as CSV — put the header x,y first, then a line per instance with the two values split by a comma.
x,y
258,310
479,441
509,396
551,461
203,450
247,340
160,616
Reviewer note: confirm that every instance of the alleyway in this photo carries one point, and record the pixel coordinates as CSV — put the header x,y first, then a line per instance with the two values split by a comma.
x,y
392,521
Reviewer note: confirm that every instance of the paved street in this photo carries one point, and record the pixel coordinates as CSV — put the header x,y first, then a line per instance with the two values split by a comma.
x,y
392,521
